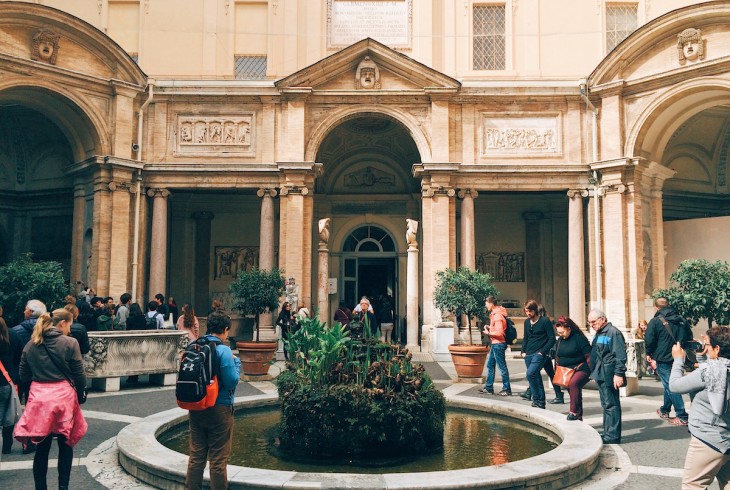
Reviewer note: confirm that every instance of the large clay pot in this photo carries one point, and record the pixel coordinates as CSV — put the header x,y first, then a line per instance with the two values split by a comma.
x,y
256,356
468,359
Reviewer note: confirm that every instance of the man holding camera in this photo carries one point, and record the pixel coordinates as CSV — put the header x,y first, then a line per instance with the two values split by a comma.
x,y
665,330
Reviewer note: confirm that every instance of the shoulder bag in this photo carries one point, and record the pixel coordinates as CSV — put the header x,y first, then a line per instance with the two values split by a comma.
x,y
80,394
690,358
563,374
12,413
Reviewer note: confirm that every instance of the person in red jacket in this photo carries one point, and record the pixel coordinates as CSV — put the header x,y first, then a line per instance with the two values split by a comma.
x,y
496,331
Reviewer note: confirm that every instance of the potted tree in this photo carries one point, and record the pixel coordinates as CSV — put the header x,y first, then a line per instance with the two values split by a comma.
x,y
463,291
253,293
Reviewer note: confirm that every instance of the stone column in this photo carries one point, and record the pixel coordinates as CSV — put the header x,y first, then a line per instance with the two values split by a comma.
x,y
468,249
77,238
412,286
533,255
120,231
158,241
576,259
201,285
323,270
102,237
266,253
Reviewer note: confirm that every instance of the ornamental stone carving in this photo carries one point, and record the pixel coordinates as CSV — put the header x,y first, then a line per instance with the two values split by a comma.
x,y
690,45
521,136
369,177
367,75
411,232
324,231
45,46
234,134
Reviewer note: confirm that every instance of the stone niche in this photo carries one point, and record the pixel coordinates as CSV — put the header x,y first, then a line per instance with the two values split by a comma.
x,y
115,354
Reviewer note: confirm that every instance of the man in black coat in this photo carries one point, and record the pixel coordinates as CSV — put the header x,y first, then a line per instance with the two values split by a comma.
x,y
539,339
664,330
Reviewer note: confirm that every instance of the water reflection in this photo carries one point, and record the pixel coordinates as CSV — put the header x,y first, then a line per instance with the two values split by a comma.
x,y
471,439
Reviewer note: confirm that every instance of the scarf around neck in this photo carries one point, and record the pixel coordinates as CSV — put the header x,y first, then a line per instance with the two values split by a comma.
x,y
716,384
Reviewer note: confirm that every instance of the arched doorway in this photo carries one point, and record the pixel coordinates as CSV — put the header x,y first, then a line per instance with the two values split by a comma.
x,y
36,196
368,191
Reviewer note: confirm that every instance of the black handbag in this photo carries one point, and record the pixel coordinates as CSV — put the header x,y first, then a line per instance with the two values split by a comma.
x,y
81,394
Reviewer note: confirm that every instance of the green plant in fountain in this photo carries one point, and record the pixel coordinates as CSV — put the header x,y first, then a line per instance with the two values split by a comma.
x,y
463,291
357,399
22,280
256,291
700,289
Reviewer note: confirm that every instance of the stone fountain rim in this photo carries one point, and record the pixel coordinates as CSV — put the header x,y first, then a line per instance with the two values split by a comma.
x,y
575,458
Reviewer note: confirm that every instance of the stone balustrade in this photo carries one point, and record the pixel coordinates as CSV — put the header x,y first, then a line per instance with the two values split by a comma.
x,y
115,354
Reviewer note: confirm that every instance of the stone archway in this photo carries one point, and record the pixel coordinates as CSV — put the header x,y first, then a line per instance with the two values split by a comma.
x,y
367,184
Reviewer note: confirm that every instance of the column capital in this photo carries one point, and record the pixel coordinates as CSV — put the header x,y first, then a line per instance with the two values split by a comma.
x,y
473,193
293,189
431,190
116,185
158,192
203,215
532,216
574,193
266,191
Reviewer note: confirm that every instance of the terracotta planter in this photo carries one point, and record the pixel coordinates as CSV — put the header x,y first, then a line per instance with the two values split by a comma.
x,y
468,359
256,356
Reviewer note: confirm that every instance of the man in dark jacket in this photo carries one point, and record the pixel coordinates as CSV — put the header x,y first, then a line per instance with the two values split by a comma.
x,y
664,330
608,369
33,309
539,339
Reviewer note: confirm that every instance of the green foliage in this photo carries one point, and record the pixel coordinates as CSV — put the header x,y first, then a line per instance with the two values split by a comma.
x,y
22,280
355,397
463,291
699,289
255,291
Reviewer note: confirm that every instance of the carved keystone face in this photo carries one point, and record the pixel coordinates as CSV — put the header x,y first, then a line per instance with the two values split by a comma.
x,y
367,78
45,50
691,50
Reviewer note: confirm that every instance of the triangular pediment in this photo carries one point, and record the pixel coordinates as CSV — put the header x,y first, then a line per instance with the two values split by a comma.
x,y
394,69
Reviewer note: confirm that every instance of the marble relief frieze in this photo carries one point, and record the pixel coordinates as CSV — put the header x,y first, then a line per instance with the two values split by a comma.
x,y
521,135
502,266
216,134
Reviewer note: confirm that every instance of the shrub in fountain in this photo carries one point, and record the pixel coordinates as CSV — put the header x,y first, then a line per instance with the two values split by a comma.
x,y
355,398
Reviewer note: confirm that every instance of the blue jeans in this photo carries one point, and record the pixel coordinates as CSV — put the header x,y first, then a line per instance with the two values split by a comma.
x,y
663,369
496,356
534,363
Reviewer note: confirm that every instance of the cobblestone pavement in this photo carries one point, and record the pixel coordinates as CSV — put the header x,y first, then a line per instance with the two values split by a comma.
x,y
651,455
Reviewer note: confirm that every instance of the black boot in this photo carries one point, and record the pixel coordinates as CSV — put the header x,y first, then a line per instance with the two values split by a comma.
x,y
527,395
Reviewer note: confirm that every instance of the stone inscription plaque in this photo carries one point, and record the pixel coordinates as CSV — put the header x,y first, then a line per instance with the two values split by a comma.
x,y
388,22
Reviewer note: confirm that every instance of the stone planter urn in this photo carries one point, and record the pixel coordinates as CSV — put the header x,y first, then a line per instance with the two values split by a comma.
x,y
256,357
468,360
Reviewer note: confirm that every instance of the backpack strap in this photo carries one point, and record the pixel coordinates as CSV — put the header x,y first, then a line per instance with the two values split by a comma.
x,y
669,330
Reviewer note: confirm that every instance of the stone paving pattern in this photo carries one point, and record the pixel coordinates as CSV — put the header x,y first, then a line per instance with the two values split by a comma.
x,y
651,455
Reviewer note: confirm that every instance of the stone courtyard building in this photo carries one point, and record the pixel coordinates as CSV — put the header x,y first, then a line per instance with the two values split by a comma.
x,y
575,150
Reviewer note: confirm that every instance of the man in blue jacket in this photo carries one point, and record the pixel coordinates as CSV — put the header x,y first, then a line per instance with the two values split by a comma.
x,y
539,339
608,369
211,430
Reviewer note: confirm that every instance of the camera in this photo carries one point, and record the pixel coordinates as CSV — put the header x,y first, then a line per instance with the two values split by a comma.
x,y
694,345
135,147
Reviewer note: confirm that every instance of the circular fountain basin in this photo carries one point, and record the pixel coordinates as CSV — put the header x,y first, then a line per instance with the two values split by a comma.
x,y
575,458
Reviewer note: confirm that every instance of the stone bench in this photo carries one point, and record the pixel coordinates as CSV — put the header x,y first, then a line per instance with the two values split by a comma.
x,y
115,354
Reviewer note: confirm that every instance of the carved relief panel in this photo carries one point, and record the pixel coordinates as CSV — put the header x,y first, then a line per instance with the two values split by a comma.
x,y
521,135
227,135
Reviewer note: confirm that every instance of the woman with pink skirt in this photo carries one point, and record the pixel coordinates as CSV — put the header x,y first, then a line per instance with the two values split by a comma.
x,y
52,361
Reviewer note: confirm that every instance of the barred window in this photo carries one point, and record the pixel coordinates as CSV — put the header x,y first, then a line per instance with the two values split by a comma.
x,y
621,20
489,28
251,67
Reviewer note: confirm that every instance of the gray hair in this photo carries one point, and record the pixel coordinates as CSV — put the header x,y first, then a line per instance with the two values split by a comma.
x,y
365,299
597,313
36,307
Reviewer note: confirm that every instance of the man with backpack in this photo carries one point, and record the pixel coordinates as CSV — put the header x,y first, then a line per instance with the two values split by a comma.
x,y
120,320
663,332
154,320
497,332
211,429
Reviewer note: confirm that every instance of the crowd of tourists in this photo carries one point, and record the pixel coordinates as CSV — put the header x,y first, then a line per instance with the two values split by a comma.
x,y
564,352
